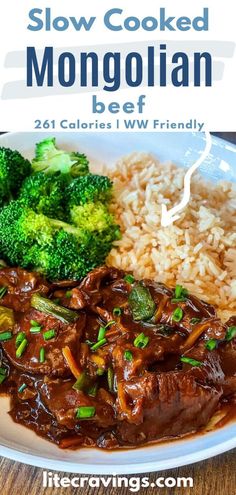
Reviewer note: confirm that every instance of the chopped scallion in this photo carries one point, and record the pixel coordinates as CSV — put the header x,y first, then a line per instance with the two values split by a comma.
x,y
19,338
128,355
34,323
177,314
82,382
117,311
50,334
5,336
3,291
98,344
42,355
110,379
84,412
22,388
191,361
230,334
68,294
101,333
35,330
21,349
141,341
129,279
92,391
110,323
211,344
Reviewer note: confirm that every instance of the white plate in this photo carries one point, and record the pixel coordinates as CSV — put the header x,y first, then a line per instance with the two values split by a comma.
x,y
19,443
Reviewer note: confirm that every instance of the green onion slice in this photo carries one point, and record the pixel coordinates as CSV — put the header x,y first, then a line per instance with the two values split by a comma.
x,y
50,334
212,344
110,379
19,338
128,355
101,333
100,371
42,355
34,323
92,391
35,329
230,334
117,311
22,388
129,279
68,294
82,382
191,361
98,344
21,349
141,341
5,336
180,293
177,314
3,291
50,308
85,412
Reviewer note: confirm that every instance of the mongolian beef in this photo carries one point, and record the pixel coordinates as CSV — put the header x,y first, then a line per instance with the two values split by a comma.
x,y
111,361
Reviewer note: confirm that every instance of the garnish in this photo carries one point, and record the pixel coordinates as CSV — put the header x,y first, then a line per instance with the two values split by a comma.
x,y
34,323
180,294
141,302
83,382
230,334
92,391
50,308
71,362
117,311
22,388
19,338
128,355
129,279
21,349
177,314
42,355
194,321
101,333
68,294
141,341
5,336
84,412
98,344
191,361
3,291
110,379
212,344
50,334
35,329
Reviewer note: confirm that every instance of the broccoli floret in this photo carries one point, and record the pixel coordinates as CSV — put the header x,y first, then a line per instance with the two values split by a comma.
x,y
54,248
13,170
49,159
44,194
89,188
92,217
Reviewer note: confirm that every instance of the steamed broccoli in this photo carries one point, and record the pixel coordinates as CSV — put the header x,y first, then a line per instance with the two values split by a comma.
x,y
56,249
13,169
49,159
44,194
89,188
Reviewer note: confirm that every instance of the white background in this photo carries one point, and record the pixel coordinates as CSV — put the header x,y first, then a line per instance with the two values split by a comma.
x,y
215,106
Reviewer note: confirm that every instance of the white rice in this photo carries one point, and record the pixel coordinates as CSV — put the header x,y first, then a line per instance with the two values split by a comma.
x,y
197,251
